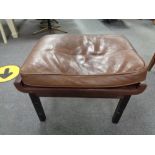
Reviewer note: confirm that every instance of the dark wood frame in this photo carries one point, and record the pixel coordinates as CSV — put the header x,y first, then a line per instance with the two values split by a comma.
x,y
124,93
152,62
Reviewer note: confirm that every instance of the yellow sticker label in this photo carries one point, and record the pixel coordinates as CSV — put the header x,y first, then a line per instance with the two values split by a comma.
x,y
8,73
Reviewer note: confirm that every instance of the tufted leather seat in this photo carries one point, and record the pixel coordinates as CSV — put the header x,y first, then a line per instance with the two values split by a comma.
x,y
83,61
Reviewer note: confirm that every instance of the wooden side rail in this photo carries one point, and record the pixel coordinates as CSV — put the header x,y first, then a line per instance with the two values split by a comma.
x,y
80,92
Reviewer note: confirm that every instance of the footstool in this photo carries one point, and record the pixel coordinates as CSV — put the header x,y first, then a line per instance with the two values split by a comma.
x,y
94,66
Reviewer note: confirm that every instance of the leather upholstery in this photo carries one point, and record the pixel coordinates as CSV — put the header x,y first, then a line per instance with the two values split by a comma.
x,y
85,61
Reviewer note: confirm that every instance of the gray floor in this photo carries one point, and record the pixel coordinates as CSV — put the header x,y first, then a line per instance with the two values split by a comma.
x,y
77,115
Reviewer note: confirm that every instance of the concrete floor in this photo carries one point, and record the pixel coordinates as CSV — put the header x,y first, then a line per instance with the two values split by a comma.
x,y
77,115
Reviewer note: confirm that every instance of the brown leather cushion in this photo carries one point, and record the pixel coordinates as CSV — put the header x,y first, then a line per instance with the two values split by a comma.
x,y
85,61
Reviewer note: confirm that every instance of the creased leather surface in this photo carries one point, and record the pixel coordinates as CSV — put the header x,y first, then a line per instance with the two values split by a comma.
x,y
83,61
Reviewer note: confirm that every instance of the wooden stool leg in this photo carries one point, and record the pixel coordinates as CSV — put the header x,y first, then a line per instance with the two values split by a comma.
x,y
38,106
151,64
120,108
12,28
3,33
